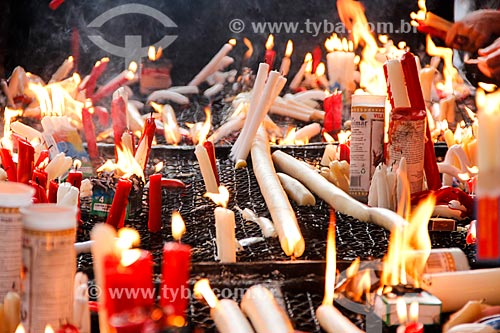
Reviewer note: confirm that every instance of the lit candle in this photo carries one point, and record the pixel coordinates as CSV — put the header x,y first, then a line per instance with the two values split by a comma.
x,y
75,176
145,142
224,226
131,270
396,84
285,62
89,131
330,319
488,154
155,202
270,53
225,313
53,187
40,175
8,164
320,75
206,169
97,70
63,70
119,115
209,146
176,263
413,326
26,157
299,76
213,64
117,212
124,78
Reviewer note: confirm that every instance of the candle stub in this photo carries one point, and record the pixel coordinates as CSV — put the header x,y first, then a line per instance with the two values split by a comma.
x,y
12,197
49,265
367,142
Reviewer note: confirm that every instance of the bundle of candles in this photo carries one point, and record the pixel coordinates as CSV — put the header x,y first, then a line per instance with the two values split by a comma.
x,y
379,162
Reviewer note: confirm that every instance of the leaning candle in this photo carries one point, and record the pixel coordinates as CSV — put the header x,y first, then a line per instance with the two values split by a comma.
x,y
53,187
97,70
26,157
145,142
225,313
270,53
299,76
119,115
40,177
285,62
117,212
122,79
209,146
89,131
213,64
8,164
206,169
155,201
175,276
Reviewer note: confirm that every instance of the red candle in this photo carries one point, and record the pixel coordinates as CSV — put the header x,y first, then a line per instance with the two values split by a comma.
x,y
414,327
116,214
75,178
344,153
174,292
44,155
128,281
209,146
270,53
111,86
8,164
26,159
40,195
145,142
119,116
155,200
316,55
40,177
53,187
90,137
333,113
96,72
54,4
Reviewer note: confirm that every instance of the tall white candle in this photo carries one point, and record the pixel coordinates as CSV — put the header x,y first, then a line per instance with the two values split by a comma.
x,y
213,64
228,317
206,169
225,235
332,321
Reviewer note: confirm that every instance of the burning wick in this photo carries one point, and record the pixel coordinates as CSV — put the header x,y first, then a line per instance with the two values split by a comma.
x,y
413,326
330,319
225,313
178,226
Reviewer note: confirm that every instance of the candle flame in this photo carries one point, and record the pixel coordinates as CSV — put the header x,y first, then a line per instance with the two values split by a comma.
x,y
77,164
353,268
178,226
308,57
450,73
221,198
289,48
488,87
401,310
132,67
414,311
249,46
232,41
20,329
331,261
43,164
170,125
152,53
158,167
203,290
270,42
129,257
309,66
49,329
328,137
125,166
409,247
320,70
344,136
201,132
127,238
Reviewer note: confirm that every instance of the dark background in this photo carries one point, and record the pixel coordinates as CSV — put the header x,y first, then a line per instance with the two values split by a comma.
x,y
39,39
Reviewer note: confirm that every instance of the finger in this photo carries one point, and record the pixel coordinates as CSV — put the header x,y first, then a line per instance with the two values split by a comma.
x,y
490,48
452,33
493,59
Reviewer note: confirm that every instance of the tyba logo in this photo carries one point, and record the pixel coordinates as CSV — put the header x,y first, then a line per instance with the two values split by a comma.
x,y
133,49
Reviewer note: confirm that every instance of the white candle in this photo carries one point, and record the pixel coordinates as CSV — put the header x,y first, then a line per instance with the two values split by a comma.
x,y
103,236
426,76
332,321
206,169
213,64
228,318
285,62
63,70
307,132
297,79
329,155
225,235
259,304
347,76
396,84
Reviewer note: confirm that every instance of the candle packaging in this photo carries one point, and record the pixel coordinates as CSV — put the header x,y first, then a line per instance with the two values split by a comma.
x,y
429,307
49,265
12,197
367,142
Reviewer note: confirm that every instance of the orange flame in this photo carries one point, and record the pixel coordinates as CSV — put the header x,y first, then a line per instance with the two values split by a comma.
x,y
232,42
270,42
125,166
8,117
129,257
201,132
409,247
221,198
450,73
178,226
203,290
289,48
249,46
320,70
331,262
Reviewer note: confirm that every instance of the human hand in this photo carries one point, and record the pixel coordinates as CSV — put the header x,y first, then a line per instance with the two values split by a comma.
x,y
489,61
473,31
